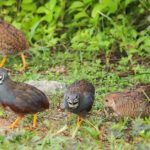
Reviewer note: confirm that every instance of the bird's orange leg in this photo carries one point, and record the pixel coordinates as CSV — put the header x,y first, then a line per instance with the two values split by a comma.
x,y
35,120
79,122
16,122
25,65
3,62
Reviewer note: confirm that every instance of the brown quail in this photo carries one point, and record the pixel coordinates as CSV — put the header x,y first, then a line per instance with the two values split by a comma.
x,y
131,102
12,41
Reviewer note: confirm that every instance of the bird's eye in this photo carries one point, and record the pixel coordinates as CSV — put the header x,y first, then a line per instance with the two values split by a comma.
x,y
77,97
106,100
1,78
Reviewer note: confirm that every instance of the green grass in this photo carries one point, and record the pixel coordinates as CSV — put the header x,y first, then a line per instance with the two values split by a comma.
x,y
124,134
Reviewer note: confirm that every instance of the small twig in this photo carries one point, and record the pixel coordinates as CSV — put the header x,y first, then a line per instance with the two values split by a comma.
x,y
105,16
61,130
74,133
86,121
146,95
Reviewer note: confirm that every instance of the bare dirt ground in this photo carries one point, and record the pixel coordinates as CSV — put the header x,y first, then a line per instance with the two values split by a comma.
x,y
53,120
45,119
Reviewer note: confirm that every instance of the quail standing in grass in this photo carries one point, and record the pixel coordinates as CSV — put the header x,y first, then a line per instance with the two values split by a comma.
x,y
78,99
132,102
21,98
12,41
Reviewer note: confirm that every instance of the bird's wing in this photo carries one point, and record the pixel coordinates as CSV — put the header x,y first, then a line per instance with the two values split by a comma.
x,y
11,38
88,100
29,99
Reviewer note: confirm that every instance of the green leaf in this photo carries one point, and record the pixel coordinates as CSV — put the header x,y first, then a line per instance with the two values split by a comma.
x,y
95,11
127,2
76,5
33,29
57,13
26,1
9,3
41,10
51,5
28,7
87,2
107,6
80,15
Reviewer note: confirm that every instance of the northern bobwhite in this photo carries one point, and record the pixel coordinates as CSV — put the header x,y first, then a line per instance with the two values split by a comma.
x,y
21,98
12,41
79,99
131,102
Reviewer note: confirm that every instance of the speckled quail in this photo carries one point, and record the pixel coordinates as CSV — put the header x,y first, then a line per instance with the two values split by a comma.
x,y
131,102
12,41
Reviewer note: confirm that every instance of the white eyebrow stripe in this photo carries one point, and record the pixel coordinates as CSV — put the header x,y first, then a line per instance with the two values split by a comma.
x,y
2,77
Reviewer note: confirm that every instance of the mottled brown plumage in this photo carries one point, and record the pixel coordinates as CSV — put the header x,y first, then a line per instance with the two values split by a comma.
x,y
81,86
12,41
132,102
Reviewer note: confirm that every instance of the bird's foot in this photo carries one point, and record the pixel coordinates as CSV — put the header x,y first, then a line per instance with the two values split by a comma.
x,y
24,68
79,122
1,66
34,121
16,122
3,62
25,65
12,126
29,128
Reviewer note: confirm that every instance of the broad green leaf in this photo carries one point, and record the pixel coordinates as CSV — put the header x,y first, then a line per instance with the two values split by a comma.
x,y
33,29
41,9
26,1
48,17
28,7
76,5
80,15
95,11
107,6
9,2
51,5
87,1
128,2
57,13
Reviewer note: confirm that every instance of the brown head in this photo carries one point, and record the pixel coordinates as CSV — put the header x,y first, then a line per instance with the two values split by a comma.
x,y
110,100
